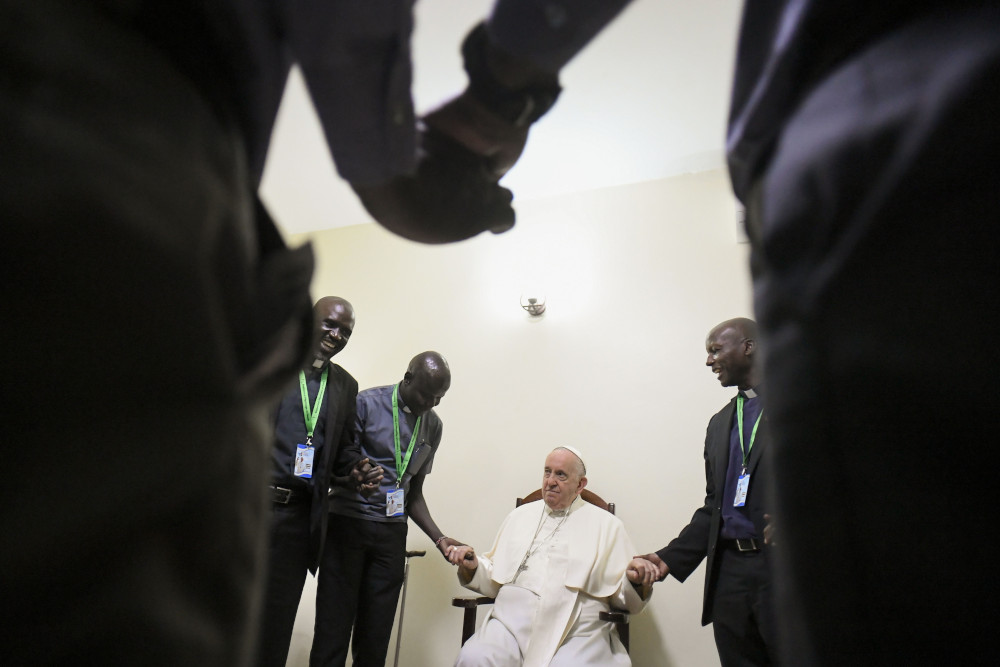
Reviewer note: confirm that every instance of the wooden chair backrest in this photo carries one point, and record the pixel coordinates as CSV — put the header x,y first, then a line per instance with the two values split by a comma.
x,y
586,494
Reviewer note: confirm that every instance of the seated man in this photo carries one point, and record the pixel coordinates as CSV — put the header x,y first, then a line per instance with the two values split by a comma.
x,y
553,568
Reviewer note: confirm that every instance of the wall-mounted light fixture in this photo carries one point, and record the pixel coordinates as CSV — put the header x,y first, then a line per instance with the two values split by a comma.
x,y
533,303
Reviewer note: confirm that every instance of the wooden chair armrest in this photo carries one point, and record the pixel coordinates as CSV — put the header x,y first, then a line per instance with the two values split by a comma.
x,y
620,619
469,615
472,603
614,616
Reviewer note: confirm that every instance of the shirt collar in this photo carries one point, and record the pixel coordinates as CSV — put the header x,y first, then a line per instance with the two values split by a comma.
x,y
401,403
573,506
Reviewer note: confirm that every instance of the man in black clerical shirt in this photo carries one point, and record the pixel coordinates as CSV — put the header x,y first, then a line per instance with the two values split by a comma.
x,y
313,449
730,527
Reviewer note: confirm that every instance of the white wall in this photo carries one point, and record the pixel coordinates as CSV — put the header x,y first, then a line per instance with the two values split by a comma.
x,y
635,276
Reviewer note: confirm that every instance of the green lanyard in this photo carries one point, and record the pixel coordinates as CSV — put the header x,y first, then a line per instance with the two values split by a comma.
x,y
401,462
739,424
311,416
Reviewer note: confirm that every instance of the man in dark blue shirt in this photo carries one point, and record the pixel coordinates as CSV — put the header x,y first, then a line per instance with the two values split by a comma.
x,y
362,569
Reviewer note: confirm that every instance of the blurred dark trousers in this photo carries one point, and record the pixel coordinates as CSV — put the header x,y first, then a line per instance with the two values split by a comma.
x,y
876,266
136,380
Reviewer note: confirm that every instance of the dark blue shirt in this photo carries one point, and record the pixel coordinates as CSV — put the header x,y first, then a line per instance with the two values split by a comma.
x,y
736,520
290,432
374,429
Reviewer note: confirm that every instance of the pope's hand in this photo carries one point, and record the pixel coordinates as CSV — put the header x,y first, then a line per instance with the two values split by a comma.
x,y
463,556
662,570
641,572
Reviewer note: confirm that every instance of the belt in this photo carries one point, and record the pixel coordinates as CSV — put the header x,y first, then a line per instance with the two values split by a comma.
x,y
282,496
743,544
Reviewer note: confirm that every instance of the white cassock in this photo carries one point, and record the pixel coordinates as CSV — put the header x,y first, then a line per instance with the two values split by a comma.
x,y
546,614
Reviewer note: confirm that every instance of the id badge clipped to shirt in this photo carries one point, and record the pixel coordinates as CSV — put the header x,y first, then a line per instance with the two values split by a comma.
x,y
304,461
742,485
394,503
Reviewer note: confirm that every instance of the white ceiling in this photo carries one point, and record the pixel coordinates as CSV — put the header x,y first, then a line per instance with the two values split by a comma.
x,y
646,100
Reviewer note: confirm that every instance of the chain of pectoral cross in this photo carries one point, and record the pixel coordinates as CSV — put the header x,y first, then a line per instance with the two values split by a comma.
x,y
530,552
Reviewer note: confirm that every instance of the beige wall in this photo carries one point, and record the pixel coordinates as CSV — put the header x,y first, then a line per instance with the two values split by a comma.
x,y
635,276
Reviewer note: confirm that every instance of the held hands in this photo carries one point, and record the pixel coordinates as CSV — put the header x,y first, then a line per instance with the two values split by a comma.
x,y
449,546
468,122
466,146
463,556
661,568
506,94
365,477
452,195
642,574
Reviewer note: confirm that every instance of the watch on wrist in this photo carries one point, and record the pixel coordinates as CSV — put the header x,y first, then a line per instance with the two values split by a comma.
x,y
521,106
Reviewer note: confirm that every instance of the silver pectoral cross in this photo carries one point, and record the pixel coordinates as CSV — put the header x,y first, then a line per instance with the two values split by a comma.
x,y
520,568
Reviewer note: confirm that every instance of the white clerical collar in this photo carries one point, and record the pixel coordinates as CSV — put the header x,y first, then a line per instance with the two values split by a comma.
x,y
750,393
569,510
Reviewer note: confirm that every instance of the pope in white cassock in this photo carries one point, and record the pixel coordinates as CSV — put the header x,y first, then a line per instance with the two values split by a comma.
x,y
553,568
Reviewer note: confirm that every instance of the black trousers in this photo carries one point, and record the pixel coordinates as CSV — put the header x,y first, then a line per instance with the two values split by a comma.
x,y
743,610
135,414
288,563
876,243
360,576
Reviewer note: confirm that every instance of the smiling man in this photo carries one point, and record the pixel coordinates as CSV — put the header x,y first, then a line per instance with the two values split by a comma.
x,y
313,449
554,567
729,528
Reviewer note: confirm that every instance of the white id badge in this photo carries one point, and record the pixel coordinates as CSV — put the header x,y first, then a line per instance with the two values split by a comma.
x,y
742,484
304,461
394,503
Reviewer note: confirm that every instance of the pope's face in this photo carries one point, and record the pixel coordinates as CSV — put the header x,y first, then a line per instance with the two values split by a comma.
x,y
562,481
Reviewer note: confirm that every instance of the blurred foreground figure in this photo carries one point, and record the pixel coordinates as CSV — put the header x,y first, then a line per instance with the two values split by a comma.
x,y
863,138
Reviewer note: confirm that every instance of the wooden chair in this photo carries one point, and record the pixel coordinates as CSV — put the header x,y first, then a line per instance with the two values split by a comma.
x,y
619,618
